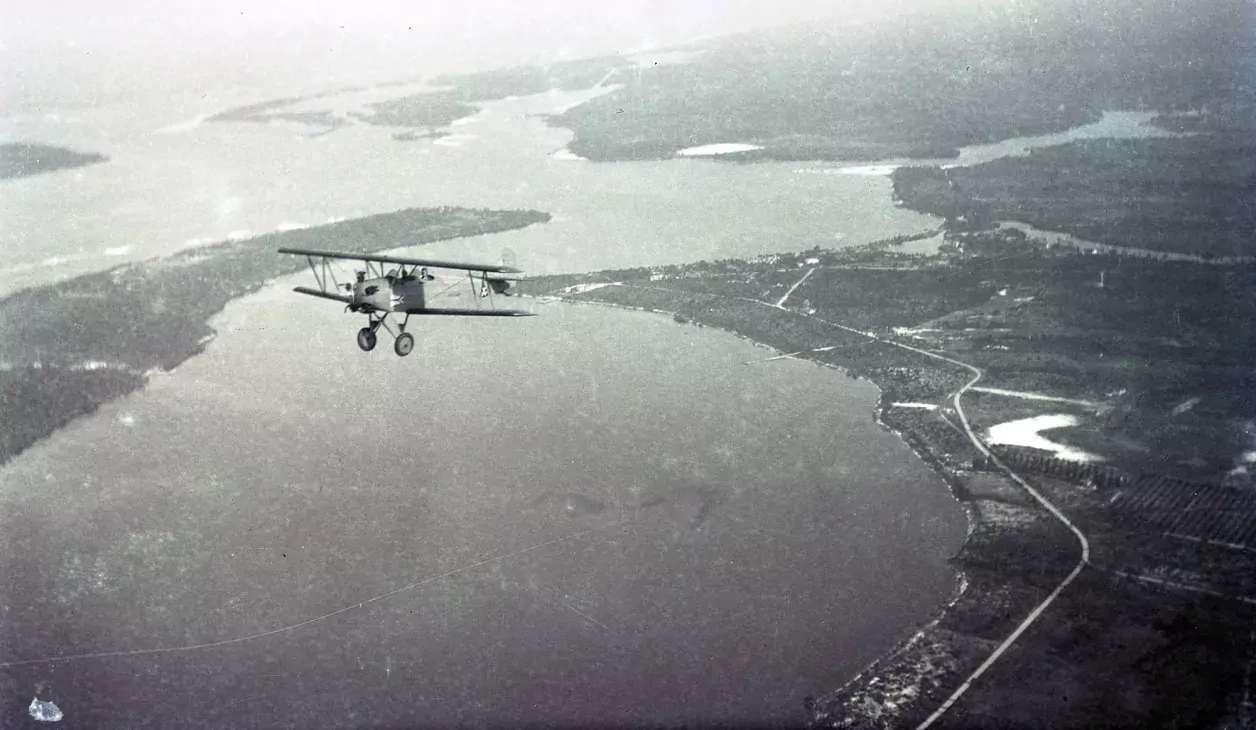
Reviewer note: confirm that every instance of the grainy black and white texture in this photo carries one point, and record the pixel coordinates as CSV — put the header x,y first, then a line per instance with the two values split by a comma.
x,y
944,359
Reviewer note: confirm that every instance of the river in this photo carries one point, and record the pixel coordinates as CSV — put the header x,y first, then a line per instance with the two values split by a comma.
x,y
164,190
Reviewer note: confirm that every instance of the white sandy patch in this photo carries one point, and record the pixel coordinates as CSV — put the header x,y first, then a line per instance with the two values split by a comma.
x,y
181,127
566,154
1026,395
239,235
97,365
568,100
455,140
721,148
867,170
42,711
118,251
581,288
1025,432
923,406
282,227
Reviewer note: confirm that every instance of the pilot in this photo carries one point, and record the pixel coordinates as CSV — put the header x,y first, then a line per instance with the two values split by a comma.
x,y
361,276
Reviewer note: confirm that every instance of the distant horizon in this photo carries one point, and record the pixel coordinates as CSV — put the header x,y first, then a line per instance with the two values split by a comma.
x,y
57,57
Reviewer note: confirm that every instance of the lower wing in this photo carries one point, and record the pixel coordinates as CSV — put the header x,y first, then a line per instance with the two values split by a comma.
x,y
324,294
472,312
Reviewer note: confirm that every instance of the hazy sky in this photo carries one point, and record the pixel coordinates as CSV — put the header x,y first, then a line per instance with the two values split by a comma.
x,y
56,48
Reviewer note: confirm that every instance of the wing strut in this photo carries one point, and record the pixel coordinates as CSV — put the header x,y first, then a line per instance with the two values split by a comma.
x,y
327,273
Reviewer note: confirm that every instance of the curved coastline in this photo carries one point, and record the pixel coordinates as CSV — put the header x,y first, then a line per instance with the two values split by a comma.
x,y
973,517
934,557
994,601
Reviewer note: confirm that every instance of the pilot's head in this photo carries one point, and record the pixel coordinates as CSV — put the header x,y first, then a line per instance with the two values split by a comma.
x,y
361,276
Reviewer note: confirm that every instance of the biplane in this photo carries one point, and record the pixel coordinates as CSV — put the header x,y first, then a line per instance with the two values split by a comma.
x,y
401,290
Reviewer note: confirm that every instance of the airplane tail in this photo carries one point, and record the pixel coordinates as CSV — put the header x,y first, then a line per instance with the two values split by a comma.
x,y
507,258
500,285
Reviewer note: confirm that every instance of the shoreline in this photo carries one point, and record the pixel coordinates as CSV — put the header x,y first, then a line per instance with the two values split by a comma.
x,y
1028,512
959,580
973,517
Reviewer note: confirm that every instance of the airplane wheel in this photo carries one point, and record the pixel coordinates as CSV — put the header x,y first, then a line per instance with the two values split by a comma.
x,y
366,339
404,344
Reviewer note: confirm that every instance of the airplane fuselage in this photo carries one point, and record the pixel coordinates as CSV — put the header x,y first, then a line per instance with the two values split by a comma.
x,y
388,294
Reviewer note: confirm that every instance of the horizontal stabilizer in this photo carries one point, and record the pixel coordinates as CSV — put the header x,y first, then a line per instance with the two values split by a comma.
x,y
472,312
324,294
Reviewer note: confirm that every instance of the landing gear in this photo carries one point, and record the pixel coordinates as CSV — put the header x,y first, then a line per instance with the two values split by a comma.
x,y
403,344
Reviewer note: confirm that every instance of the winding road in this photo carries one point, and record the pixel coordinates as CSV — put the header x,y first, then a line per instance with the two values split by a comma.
x,y
956,399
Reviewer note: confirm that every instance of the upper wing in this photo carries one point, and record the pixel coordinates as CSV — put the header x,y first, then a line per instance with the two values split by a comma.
x,y
324,294
488,268
472,312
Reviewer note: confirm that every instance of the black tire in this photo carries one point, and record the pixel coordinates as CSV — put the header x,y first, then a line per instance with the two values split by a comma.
x,y
404,344
366,339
